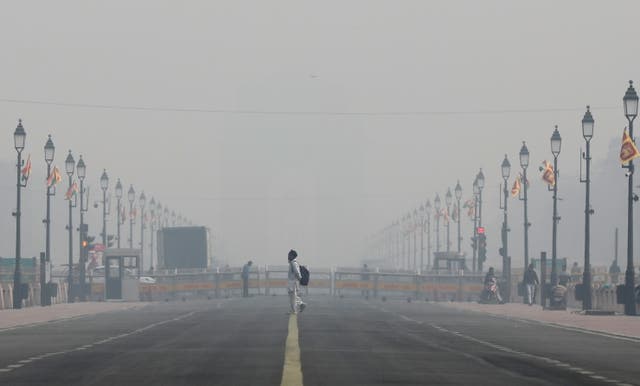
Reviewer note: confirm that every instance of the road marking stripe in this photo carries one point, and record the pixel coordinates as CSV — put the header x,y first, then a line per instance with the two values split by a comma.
x,y
5,370
292,371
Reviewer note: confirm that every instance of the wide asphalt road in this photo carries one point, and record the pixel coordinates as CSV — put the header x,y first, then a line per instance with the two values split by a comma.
x,y
337,342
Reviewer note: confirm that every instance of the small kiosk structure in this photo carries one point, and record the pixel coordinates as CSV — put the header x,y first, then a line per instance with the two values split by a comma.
x,y
121,274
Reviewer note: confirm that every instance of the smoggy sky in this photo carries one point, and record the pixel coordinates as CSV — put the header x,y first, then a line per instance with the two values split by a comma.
x,y
310,125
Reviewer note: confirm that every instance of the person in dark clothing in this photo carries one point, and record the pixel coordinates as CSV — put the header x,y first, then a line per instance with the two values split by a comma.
x,y
365,278
530,282
245,278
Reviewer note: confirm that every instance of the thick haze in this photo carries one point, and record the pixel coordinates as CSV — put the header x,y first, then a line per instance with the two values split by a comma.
x,y
440,89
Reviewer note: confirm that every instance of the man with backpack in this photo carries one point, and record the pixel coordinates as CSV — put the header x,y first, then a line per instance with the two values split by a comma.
x,y
293,287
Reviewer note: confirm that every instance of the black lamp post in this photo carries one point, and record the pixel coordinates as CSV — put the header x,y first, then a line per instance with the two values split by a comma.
x,y
506,260
421,216
427,209
458,193
415,224
49,153
81,171
119,207
480,181
447,200
556,142
69,165
19,138
152,223
476,193
104,185
436,206
131,195
142,201
524,164
631,112
587,133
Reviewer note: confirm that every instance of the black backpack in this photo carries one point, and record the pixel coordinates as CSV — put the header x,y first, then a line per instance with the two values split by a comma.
x,y
304,275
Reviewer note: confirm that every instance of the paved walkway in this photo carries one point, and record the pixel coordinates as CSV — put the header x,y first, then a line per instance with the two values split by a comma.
x,y
613,324
11,318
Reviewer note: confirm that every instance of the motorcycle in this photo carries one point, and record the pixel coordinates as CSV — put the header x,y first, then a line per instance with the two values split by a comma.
x,y
490,293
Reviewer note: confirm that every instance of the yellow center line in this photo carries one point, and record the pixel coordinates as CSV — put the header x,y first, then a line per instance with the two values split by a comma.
x,y
292,371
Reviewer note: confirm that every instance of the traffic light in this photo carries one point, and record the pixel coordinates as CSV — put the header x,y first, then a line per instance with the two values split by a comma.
x,y
109,241
482,248
473,243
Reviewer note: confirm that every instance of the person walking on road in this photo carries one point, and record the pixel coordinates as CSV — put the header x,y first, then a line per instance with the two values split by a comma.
x,y
364,276
293,287
530,282
245,278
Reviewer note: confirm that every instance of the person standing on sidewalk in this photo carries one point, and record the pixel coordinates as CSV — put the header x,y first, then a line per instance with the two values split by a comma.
x,y
530,282
293,287
245,278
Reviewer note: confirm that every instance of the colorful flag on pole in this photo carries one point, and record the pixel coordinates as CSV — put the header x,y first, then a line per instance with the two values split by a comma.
x,y
628,150
515,190
133,213
470,204
54,178
548,175
73,189
26,170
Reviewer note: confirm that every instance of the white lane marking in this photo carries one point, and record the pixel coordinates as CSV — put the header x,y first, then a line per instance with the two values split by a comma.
x,y
537,357
103,341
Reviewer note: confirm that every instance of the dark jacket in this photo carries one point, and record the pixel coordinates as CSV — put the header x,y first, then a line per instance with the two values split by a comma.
x,y
531,277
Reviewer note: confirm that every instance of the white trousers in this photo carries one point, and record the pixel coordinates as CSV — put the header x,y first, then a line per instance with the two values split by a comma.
x,y
294,297
531,289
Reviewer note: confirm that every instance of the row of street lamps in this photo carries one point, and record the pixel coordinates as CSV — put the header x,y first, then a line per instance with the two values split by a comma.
x,y
159,217
381,244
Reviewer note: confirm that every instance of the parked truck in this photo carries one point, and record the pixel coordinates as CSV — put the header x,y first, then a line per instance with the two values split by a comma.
x,y
184,247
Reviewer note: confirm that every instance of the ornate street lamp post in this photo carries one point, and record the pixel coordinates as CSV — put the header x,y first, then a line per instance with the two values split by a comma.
x,y
70,165
142,201
49,153
458,193
631,112
427,209
476,194
131,195
506,259
19,138
436,206
152,222
421,216
524,164
81,171
587,133
104,185
556,142
119,208
447,200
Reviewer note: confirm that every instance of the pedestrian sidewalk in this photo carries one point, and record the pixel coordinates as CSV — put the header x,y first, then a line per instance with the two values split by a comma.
x,y
623,325
11,318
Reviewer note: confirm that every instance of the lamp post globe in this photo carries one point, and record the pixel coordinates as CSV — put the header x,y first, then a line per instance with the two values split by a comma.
x,y
587,125
19,137
476,188
556,142
630,101
524,156
506,168
458,191
131,194
69,164
49,151
81,169
118,189
436,202
104,180
480,179
142,200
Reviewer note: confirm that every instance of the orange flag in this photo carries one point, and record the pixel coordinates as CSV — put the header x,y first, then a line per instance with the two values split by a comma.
x,y
628,151
54,177
73,189
515,190
548,175
26,170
